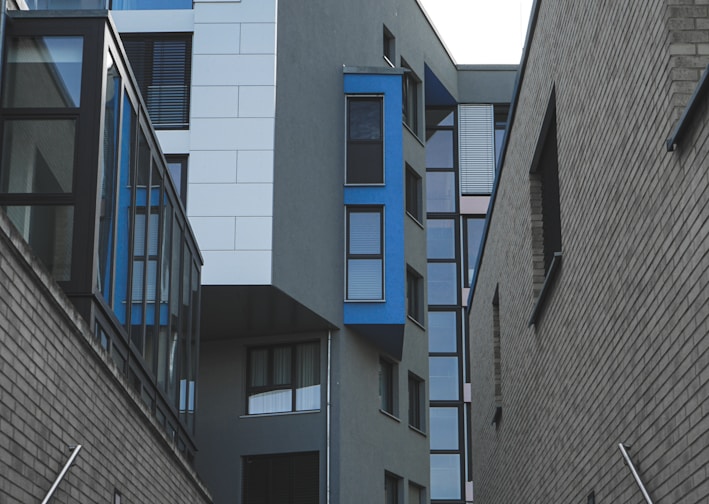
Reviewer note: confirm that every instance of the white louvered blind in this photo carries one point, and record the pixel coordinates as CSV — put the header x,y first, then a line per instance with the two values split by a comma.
x,y
476,148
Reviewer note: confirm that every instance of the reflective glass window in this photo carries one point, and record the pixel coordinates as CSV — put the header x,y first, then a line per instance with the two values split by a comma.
x,y
49,230
440,238
439,149
445,476
443,379
442,331
444,428
151,4
440,191
474,232
43,72
365,140
442,284
38,156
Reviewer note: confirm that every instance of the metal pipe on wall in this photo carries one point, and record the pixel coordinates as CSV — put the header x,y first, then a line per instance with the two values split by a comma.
x,y
621,446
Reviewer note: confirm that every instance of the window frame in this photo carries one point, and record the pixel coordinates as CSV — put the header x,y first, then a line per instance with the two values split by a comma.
x,y
350,209
252,390
389,47
387,383
411,98
414,195
183,161
392,490
352,145
414,296
417,402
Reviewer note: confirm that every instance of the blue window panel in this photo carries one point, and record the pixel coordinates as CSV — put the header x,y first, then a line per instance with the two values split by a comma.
x,y
440,238
445,476
443,381
444,429
151,4
442,331
440,192
442,284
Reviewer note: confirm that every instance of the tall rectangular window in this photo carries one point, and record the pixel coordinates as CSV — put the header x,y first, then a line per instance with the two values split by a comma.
x,y
284,378
389,47
414,295
282,479
365,254
365,140
162,65
410,104
391,489
417,402
414,194
387,386
177,166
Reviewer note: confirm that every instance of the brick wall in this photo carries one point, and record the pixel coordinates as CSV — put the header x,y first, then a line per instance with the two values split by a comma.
x,y
58,388
621,350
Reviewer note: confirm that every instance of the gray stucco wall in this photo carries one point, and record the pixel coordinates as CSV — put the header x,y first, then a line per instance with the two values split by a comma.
x,y
619,353
59,388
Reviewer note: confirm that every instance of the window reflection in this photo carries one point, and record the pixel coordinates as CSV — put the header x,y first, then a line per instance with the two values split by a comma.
x,y
444,378
440,192
439,149
442,334
444,428
442,284
445,476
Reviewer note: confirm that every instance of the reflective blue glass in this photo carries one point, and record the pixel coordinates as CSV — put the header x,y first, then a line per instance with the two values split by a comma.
x,y
151,4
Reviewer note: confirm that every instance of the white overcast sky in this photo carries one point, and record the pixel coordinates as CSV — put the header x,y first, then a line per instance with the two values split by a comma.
x,y
481,31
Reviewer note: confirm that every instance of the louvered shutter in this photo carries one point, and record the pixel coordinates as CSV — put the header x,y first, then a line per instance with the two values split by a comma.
x,y
162,65
476,148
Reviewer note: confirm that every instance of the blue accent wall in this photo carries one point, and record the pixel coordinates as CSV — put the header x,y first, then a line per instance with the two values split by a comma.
x,y
383,322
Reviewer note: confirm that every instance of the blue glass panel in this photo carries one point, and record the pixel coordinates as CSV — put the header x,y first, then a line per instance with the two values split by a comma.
x,y
475,232
442,332
440,238
444,378
439,149
151,4
445,477
444,429
440,192
442,284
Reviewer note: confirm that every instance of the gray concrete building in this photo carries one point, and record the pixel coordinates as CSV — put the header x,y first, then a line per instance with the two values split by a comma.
x,y
588,313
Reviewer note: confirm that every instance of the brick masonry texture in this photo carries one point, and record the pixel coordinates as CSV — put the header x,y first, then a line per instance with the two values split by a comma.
x,y
58,388
620,352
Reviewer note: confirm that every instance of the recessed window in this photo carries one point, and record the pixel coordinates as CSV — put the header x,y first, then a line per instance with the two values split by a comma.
x,y
417,402
365,258
414,194
414,295
391,489
389,47
387,386
177,166
473,235
284,378
417,494
411,93
282,478
365,140
162,65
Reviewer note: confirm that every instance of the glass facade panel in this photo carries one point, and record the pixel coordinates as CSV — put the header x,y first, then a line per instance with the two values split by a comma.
x,y
43,72
49,230
443,380
444,428
67,4
38,156
474,232
442,284
442,332
150,4
440,238
440,192
439,149
445,476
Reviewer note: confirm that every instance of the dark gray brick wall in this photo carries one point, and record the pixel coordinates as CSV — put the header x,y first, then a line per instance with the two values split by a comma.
x,y
621,350
58,388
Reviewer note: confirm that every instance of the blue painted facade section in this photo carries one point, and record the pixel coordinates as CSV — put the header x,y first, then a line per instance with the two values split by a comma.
x,y
383,320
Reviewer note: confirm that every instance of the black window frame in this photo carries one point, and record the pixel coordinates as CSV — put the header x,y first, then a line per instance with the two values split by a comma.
x,y
392,492
410,98
292,385
183,161
417,402
350,209
387,386
389,46
364,152
414,295
414,194
140,48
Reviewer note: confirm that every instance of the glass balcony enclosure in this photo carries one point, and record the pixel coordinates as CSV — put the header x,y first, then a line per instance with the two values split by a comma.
x,y
108,4
83,180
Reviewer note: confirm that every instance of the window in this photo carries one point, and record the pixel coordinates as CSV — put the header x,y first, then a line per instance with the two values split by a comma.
x,y
365,258
445,382
414,295
414,194
442,331
473,235
417,494
162,65
177,166
365,140
417,401
410,90
282,479
284,378
391,489
445,476
389,47
445,431
387,386
443,284
116,497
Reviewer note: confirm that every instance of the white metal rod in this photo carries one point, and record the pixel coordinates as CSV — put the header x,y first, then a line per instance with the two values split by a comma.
x,y
621,446
61,474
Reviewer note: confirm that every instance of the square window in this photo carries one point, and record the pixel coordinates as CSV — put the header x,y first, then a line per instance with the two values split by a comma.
x,y
283,378
417,402
387,386
414,194
162,65
365,140
414,295
365,257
